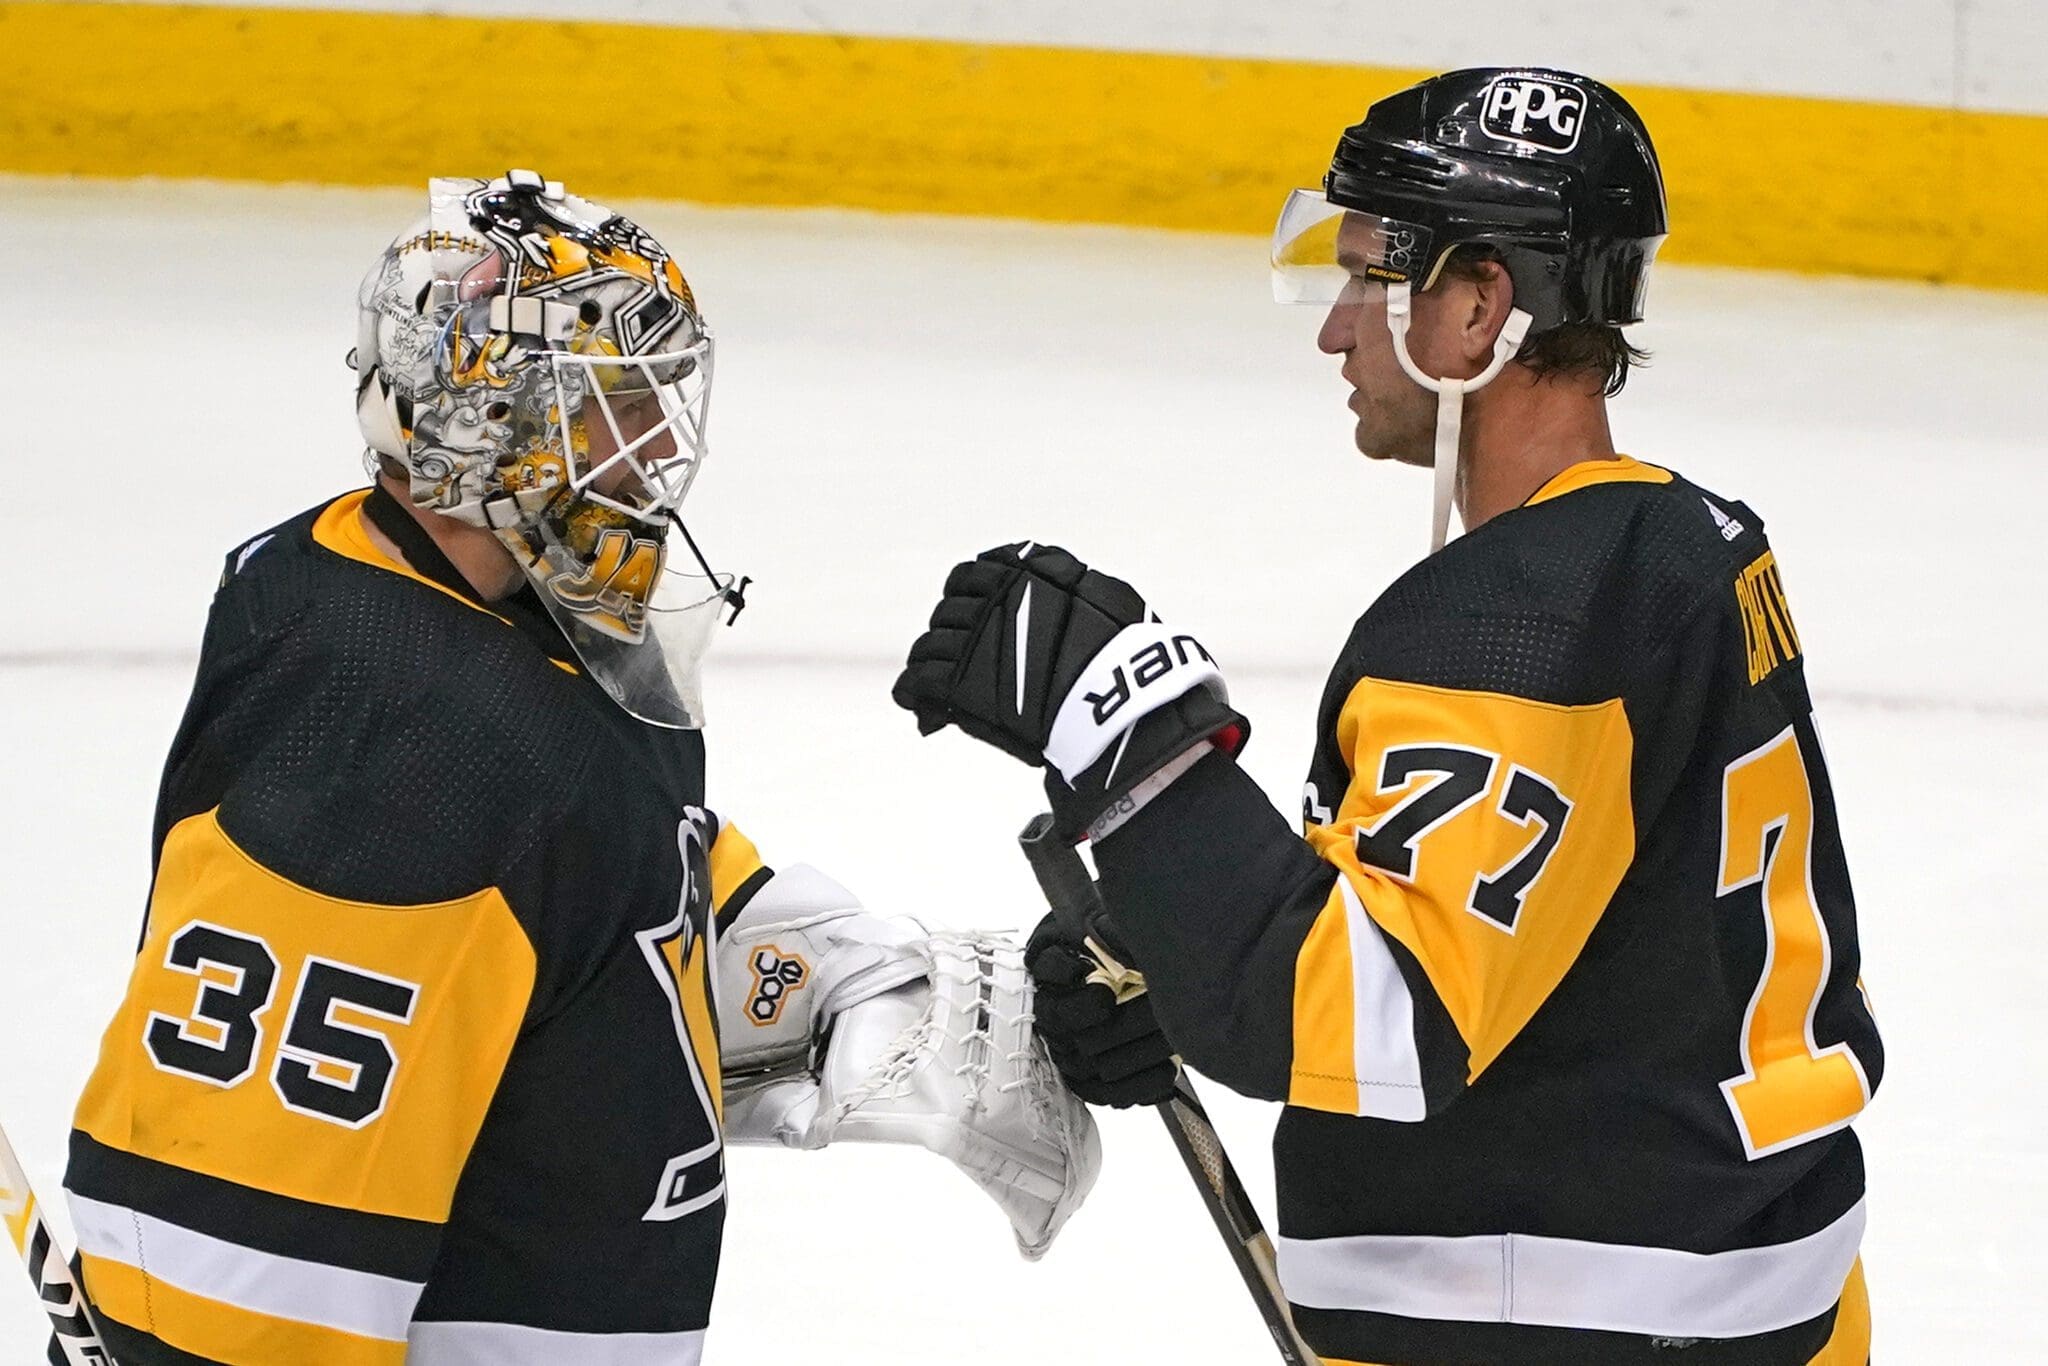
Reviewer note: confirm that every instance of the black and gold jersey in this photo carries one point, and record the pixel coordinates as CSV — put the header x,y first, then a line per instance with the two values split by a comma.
x,y
1560,979
417,1061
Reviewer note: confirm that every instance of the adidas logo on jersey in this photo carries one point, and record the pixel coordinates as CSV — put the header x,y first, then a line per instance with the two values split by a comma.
x,y
1730,528
243,556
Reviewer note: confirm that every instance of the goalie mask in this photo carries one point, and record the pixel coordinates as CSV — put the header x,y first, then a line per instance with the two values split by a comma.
x,y
537,365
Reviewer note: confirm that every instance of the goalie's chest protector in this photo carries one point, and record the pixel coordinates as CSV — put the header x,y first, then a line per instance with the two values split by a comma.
x,y
417,1060
1569,772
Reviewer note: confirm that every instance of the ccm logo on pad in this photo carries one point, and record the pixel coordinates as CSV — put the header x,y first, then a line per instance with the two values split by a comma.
x,y
1529,111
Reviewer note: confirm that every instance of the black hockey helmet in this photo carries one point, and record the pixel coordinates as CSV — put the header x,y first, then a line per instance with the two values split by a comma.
x,y
1552,170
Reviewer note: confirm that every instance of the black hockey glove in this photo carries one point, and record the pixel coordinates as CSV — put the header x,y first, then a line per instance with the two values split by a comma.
x,y
1064,667
1109,1054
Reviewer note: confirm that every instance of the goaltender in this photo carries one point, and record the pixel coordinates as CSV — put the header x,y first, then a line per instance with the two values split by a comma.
x,y
1559,978
451,990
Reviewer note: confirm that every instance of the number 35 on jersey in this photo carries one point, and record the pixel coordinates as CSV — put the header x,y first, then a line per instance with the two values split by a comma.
x,y
291,1041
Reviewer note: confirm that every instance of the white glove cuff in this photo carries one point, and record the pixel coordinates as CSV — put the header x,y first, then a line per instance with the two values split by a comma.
x,y
1142,668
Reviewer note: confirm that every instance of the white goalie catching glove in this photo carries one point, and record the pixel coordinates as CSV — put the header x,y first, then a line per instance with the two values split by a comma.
x,y
839,1025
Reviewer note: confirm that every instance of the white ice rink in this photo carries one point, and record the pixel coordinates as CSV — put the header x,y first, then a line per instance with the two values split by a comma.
x,y
894,394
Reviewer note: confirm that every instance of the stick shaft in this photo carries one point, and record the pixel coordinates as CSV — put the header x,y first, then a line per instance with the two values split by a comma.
x,y
75,1334
1064,879
1223,1195
1076,905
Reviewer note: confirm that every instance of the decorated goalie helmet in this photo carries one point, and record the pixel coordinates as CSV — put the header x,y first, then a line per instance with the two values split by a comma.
x,y
537,365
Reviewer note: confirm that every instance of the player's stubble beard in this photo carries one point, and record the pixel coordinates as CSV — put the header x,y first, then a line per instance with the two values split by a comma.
x,y
1395,417
1397,426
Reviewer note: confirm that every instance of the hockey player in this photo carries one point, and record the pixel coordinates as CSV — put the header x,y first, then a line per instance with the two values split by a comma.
x,y
1559,979
449,977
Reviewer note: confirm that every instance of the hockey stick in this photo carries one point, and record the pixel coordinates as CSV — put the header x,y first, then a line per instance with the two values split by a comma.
x,y
74,1334
1075,906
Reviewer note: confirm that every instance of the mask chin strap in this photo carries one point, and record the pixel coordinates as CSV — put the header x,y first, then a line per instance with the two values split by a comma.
x,y
735,596
1450,398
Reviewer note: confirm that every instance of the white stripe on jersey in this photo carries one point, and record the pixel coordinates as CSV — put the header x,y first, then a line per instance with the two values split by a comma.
x,y
1384,1056
357,1302
1567,1283
508,1344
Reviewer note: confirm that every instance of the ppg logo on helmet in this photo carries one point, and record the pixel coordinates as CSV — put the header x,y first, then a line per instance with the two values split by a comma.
x,y
1529,111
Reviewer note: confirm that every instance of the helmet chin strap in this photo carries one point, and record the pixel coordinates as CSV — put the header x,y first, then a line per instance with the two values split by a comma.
x,y
1450,398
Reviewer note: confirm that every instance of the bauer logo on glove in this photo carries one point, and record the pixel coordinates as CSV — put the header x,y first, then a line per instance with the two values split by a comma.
x,y
1065,667
1142,662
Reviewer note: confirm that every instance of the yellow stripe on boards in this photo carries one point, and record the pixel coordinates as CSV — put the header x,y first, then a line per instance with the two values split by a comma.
x,y
717,116
1789,183
710,115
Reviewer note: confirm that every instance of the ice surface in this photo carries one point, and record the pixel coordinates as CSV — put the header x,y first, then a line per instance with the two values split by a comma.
x,y
893,394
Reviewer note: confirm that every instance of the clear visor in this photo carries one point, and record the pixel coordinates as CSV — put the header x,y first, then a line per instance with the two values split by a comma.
x,y
640,628
613,444
1321,249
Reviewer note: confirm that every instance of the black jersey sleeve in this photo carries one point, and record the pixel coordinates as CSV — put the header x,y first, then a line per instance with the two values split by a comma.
x,y
1489,744
1807,1056
590,1205
1379,964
